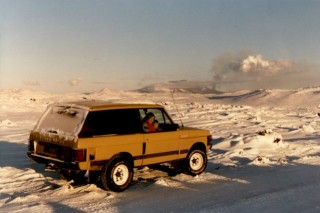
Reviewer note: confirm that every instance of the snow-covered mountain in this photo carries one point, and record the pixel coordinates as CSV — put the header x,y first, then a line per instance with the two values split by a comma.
x,y
183,86
272,97
309,96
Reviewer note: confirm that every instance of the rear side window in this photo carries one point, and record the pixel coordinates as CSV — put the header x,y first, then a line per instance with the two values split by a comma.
x,y
126,121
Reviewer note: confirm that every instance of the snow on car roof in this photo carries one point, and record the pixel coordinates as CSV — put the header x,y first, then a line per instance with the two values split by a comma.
x,y
93,105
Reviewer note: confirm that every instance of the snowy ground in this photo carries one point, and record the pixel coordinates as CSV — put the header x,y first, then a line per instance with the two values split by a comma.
x,y
265,158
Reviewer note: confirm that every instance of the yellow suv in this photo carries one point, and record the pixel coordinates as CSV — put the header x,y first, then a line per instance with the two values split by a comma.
x,y
110,139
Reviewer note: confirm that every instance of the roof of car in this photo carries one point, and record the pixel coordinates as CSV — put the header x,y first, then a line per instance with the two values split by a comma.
x,y
94,105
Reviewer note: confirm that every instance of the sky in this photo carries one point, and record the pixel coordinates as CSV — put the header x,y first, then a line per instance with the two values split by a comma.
x,y
80,45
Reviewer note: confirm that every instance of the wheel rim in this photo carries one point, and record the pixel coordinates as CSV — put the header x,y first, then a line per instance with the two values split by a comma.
x,y
196,161
120,174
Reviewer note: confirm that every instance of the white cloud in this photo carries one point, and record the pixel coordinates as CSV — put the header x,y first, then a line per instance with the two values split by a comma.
x,y
75,81
256,64
31,83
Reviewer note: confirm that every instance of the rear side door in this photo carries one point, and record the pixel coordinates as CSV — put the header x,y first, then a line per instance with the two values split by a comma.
x,y
164,144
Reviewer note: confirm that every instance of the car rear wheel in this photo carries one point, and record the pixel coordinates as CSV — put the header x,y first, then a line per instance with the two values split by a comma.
x,y
196,162
117,175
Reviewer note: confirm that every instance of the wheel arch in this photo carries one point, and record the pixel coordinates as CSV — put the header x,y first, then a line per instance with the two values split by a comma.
x,y
98,165
125,155
198,145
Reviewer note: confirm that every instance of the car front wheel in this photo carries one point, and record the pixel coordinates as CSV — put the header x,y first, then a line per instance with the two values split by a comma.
x,y
196,162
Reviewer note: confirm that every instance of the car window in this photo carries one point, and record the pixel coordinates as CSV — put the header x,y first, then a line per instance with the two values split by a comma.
x,y
125,121
159,114
65,120
165,123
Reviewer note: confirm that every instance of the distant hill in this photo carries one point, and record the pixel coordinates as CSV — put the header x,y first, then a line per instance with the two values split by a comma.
x,y
303,97
272,97
182,86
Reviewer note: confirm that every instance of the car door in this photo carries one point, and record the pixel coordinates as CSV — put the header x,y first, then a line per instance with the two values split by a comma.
x,y
162,145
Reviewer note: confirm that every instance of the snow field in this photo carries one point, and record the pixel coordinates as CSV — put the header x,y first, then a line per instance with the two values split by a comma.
x,y
263,157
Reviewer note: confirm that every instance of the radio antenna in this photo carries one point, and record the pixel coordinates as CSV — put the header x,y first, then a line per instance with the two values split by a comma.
x,y
172,91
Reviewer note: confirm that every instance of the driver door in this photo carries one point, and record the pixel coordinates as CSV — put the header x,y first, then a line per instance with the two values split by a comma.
x,y
163,145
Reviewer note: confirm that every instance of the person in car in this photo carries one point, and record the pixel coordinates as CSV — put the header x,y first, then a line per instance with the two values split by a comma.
x,y
156,125
149,123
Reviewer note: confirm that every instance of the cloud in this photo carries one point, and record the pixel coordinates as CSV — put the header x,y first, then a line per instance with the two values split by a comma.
x,y
245,70
99,82
31,83
149,78
257,65
74,81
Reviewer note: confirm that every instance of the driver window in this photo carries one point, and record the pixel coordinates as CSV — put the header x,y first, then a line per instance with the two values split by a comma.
x,y
156,120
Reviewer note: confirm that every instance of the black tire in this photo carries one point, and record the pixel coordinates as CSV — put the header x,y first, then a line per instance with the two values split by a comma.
x,y
196,162
94,177
117,175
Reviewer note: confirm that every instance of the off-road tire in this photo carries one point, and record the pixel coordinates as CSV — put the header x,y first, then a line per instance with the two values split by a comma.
x,y
117,175
196,162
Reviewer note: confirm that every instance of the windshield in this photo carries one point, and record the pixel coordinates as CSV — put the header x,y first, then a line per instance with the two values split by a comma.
x,y
62,120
